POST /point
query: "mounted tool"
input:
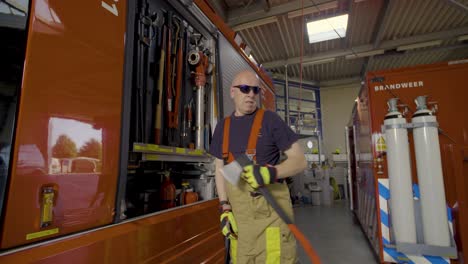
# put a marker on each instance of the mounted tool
(199, 61)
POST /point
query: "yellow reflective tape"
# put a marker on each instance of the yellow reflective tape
(151, 157)
(180, 151)
(196, 152)
(138, 147)
(273, 245)
(151, 147)
(160, 149)
(233, 252)
(42, 233)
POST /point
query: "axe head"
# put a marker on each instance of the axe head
(232, 171)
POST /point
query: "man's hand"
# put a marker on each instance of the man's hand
(228, 224)
(257, 176)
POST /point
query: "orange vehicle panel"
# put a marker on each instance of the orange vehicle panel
(68, 128)
(184, 235)
(443, 84)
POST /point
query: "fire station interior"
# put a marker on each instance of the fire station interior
(373, 88)
(321, 87)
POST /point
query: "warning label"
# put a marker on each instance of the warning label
(378, 140)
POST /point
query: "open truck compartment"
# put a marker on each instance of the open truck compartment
(105, 132)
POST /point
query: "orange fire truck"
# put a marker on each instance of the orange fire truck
(372, 166)
(107, 109)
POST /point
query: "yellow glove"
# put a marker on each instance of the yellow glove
(228, 224)
(257, 176)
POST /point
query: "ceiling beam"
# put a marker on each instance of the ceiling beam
(267, 5)
(292, 79)
(219, 7)
(346, 42)
(256, 11)
(340, 82)
(435, 49)
(316, 57)
(389, 44)
(458, 5)
(12, 21)
(382, 21)
(313, 9)
(256, 23)
(355, 81)
(379, 29)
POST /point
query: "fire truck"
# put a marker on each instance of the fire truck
(107, 110)
(407, 148)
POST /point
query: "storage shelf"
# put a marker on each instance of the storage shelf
(151, 152)
(340, 157)
(314, 157)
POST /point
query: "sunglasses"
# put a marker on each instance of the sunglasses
(247, 88)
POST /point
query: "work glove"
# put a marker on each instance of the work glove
(257, 176)
(228, 224)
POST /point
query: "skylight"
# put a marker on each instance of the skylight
(327, 29)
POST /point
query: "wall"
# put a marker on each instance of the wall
(337, 104)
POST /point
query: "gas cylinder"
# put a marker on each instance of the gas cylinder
(430, 178)
(188, 196)
(399, 174)
(168, 193)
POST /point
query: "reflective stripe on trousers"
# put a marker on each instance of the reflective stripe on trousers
(263, 237)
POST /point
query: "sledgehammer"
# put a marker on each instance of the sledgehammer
(232, 173)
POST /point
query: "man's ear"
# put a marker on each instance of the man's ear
(231, 92)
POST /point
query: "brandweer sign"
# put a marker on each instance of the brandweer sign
(399, 86)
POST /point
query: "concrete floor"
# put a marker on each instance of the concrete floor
(333, 234)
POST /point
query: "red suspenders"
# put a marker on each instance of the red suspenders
(251, 145)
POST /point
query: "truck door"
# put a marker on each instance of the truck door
(70, 107)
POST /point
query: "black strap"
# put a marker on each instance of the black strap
(271, 200)
(257, 175)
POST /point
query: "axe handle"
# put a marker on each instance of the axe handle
(158, 116)
(227, 245)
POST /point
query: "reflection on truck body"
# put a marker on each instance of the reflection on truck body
(80, 165)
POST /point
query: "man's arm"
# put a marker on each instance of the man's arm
(294, 164)
(219, 179)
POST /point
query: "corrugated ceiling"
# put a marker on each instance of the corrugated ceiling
(371, 22)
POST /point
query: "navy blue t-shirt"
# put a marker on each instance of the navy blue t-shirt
(275, 136)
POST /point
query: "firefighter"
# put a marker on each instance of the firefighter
(256, 232)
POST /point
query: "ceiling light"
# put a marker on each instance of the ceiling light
(327, 29)
(314, 62)
(364, 54)
(420, 45)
